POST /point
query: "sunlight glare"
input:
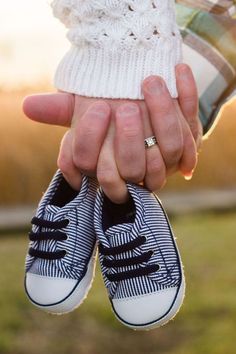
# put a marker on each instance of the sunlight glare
(32, 42)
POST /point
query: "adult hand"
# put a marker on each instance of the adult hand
(175, 124)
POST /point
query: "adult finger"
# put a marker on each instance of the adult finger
(50, 108)
(188, 99)
(189, 158)
(155, 177)
(165, 125)
(107, 173)
(89, 132)
(66, 164)
(129, 143)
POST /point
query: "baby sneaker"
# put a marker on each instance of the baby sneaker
(61, 256)
(139, 259)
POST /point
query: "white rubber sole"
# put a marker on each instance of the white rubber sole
(77, 296)
(162, 321)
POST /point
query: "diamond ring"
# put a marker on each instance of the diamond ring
(149, 142)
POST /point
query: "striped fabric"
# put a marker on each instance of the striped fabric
(81, 238)
(151, 222)
(226, 7)
(210, 50)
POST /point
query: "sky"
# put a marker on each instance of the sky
(32, 42)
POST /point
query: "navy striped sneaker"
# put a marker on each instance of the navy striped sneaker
(61, 257)
(140, 262)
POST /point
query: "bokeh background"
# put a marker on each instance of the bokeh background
(31, 44)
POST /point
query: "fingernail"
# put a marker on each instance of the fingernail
(99, 109)
(128, 109)
(155, 86)
(188, 176)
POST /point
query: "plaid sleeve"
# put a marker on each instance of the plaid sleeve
(220, 7)
(209, 47)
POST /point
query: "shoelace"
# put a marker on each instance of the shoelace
(112, 251)
(48, 235)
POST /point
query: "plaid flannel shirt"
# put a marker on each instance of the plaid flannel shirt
(225, 7)
(208, 28)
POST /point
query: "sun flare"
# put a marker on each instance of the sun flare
(31, 43)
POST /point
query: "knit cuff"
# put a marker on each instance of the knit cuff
(116, 74)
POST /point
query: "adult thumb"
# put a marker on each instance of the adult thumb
(50, 108)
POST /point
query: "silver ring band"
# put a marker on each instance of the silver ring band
(149, 142)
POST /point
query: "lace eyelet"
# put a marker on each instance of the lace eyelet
(66, 238)
(64, 253)
(144, 238)
(68, 221)
(159, 267)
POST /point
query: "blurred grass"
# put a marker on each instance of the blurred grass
(28, 153)
(205, 324)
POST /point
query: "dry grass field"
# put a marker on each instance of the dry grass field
(28, 153)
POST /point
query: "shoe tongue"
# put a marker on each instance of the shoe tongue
(119, 234)
(52, 209)
(118, 229)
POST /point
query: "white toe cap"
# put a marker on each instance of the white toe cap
(149, 308)
(47, 291)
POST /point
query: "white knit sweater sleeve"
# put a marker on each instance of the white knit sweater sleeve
(116, 44)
